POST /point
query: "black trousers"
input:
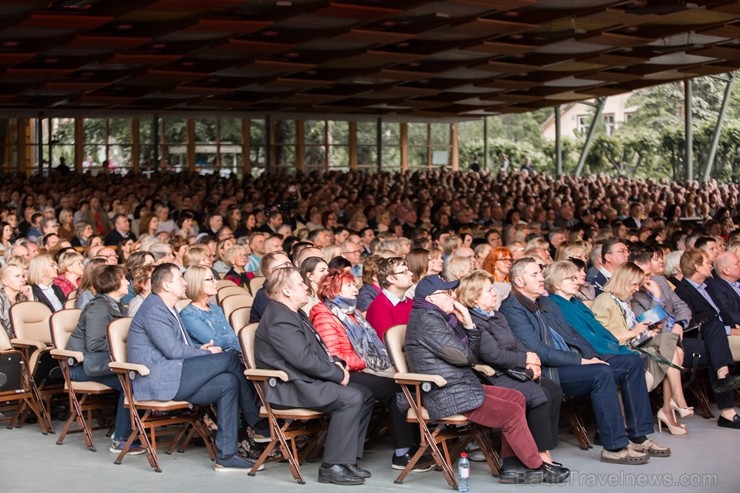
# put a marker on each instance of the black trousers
(714, 352)
(385, 390)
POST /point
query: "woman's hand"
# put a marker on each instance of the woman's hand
(533, 359)
(463, 315)
(27, 292)
(210, 347)
(593, 361)
(536, 370)
(640, 328)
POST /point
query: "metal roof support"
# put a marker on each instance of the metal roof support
(688, 98)
(718, 129)
(485, 143)
(600, 103)
(558, 143)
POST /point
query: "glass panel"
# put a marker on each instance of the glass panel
(417, 134)
(314, 132)
(418, 157)
(367, 155)
(339, 156)
(285, 132)
(285, 156)
(231, 131)
(367, 133)
(205, 130)
(440, 134)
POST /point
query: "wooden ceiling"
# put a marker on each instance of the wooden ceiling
(408, 58)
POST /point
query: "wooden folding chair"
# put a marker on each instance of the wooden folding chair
(574, 411)
(231, 303)
(222, 283)
(445, 442)
(255, 284)
(30, 322)
(230, 291)
(283, 436)
(182, 303)
(16, 384)
(240, 318)
(143, 417)
(84, 397)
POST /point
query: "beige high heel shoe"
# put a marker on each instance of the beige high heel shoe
(684, 412)
(672, 429)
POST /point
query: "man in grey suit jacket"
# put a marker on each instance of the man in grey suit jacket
(286, 340)
(182, 371)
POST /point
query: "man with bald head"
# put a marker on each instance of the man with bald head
(724, 289)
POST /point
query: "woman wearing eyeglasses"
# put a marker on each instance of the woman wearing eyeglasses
(498, 263)
(500, 349)
(206, 322)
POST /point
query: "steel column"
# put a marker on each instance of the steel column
(600, 103)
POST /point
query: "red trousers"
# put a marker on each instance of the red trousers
(505, 409)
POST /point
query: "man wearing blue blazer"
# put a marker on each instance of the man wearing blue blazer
(183, 371)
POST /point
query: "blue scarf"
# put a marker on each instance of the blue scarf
(361, 335)
(583, 321)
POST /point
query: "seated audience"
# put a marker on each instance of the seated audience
(441, 339)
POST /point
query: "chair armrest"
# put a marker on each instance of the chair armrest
(65, 354)
(28, 343)
(258, 374)
(484, 369)
(416, 378)
(127, 367)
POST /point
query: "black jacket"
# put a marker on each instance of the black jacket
(39, 295)
(435, 348)
(726, 299)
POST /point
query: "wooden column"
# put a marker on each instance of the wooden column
(191, 144)
(79, 143)
(300, 145)
(454, 148)
(404, 131)
(352, 145)
(246, 147)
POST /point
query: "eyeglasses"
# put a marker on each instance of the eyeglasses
(402, 272)
(352, 252)
(209, 279)
(621, 251)
(573, 278)
(506, 259)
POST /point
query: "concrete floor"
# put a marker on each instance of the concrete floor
(707, 459)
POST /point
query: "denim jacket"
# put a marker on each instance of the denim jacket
(204, 325)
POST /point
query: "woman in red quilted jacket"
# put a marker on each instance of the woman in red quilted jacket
(348, 335)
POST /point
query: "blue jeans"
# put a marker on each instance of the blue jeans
(599, 382)
(219, 378)
(123, 416)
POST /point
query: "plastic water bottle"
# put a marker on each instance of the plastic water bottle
(463, 474)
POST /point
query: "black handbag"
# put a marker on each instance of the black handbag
(96, 364)
(520, 374)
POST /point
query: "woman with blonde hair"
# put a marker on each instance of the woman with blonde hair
(41, 273)
(221, 265)
(13, 289)
(70, 271)
(458, 267)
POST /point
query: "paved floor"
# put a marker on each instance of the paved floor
(707, 459)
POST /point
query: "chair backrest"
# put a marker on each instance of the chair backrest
(395, 343)
(70, 303)
(222, 283)
(229, 291)
(235, 301)
(5, 341)
(118, 339)
(246, 340)
(240, 318)
(30, 320)
(72, 295)
(63, 323)
(256, 283)
(182, 303)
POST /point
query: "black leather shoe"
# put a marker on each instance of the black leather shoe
(554, 473)
(357, 471)
(338, 474)
(726, 384)
(514, 472)
(729, 423)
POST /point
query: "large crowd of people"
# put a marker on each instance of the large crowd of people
(597, 287)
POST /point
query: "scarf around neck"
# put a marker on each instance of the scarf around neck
(361, 335)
